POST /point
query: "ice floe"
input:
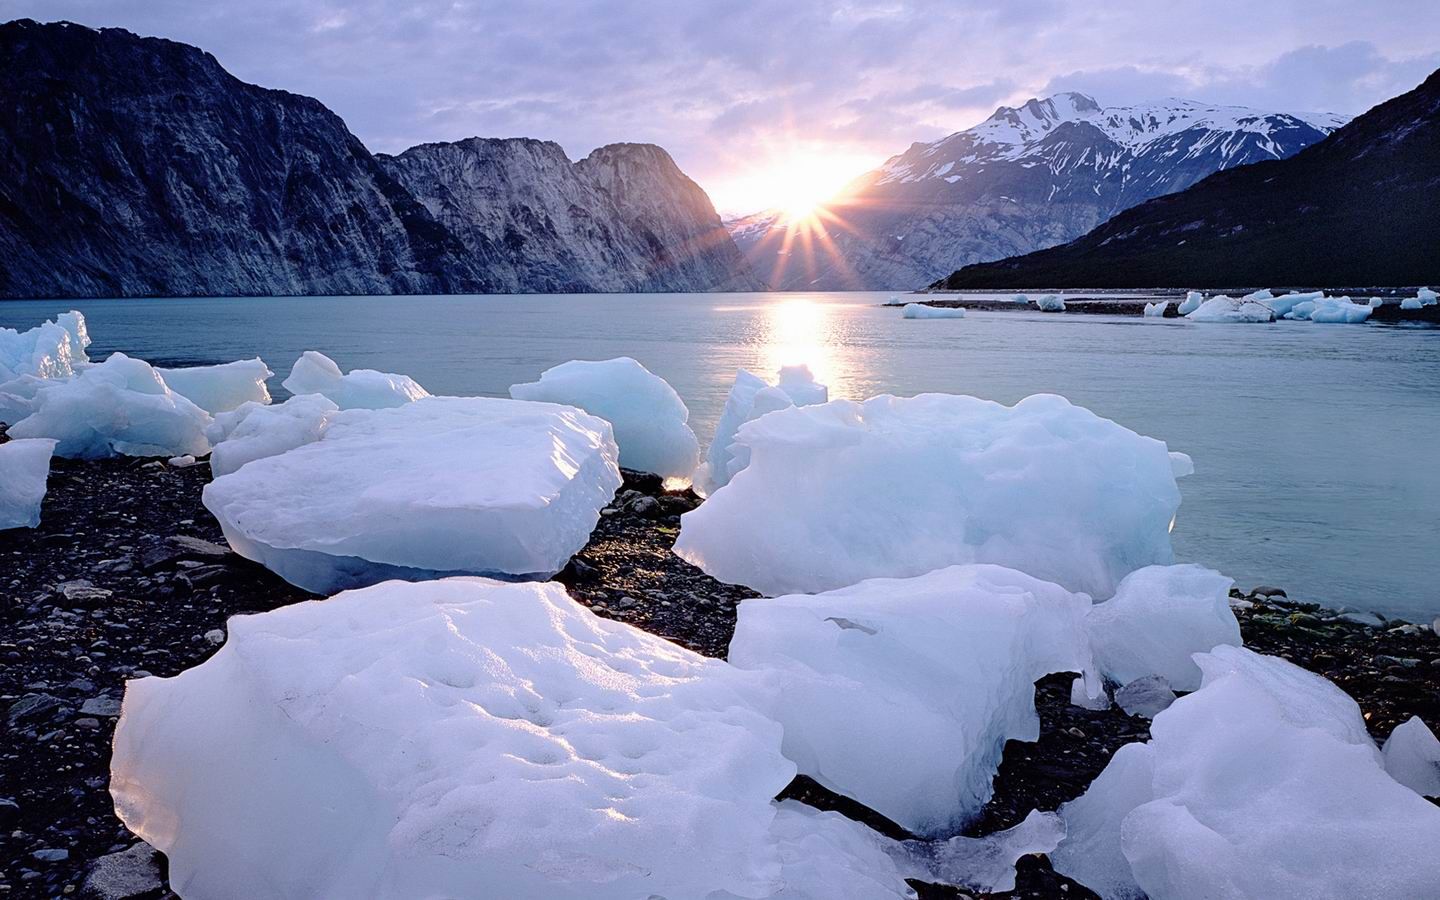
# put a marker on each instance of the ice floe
(218, 389)
(1230, 309)
(316, 373)
(255, 430)
(843, 491)
(1192, 302)
(1330, 311)
(1050, 303)
(1412, 756)
(750, 398)
(648, 416)
(1157, 309)
(922, 311)
(440, 485)
(901, 693)
(24, 470)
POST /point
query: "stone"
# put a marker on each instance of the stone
(107, 707)
(198, 546)
(1145, 697)
(32, 707)
(131, 874)
(50, 854)
(1267, 591)
(9, 812)
(82, 591)
(215, 636)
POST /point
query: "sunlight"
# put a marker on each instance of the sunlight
(799, 332)
(794, 179)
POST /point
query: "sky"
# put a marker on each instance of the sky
(762, 102)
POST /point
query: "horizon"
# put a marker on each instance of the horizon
(773, 106)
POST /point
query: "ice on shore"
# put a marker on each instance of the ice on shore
(1050, 303)
(1158, 618)
(1412, 756)
(825, 856)
(1330, 311)
(891, 487)
(31, 359)
(24, 470)
(1157, 309)
(901, 693)
(649, 418)
(750, 398)
(316, 373)
(1230, 309)
(1411, 303)
(922, 311)
(1263, 783)
(441, 485)
(255, 430)
(984, 864)
(1192, 302)
(118, 407)
(218, 389)
(462, 738)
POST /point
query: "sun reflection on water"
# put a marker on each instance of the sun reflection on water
(801, 332)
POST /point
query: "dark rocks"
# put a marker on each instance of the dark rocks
(32, 708)
(132, 874)
(103, 706)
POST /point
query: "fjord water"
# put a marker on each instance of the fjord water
(1314, 445)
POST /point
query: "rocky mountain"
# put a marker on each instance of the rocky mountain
(1358, 208)
(624, 218)
(135, 166)
(1025, 178)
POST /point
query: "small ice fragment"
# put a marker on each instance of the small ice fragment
(1412, 757)
(1146, 697)
(922, 311)
(1050, 303)
(316, 373)
(984, 864)
(24, 471)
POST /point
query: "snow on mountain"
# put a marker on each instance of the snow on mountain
(1026, 178)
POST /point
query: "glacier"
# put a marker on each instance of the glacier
(316, 373)
(221, 388)
(649, 418)
(750, 398)
(843, 491)
(24, 470)
(901, 693)
(441, 485)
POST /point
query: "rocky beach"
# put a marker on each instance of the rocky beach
(128, 575)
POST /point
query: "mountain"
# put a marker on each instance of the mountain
(1025, 178)
(624, 218)
(135, 166)
(1358, 208)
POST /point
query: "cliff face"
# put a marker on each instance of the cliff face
(136, 166)
(1357, 208)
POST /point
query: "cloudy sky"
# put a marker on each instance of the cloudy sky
(750, 94)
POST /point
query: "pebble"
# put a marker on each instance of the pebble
(127, 875)
(103, 705)
(215, 636)
(51, 855)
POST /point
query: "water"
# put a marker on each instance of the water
(1314, 444)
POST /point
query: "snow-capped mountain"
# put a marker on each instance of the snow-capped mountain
(1025, 178)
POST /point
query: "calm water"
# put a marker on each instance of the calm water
(1314, 444)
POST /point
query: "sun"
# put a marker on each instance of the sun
(795, 180)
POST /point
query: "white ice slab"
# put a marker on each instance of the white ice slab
(218, 389)
(24, 471)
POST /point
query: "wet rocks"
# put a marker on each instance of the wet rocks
(132, 874)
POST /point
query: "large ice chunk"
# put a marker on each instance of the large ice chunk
(1412, 757)
(901, 693)
(1158, 618)
(24, 470)
(1330, 310)
(825, 856)
(925, 311)
(118, 407)
(457, 738)
(29, 360)
(218, 389)
(316, 373)
(648, 416)
(1192, 302)
(1230, 309)
(255, 430)
(750, 398)
(1157, 309)
(844, 491)
(1050, 303)
(1263, 783)
(442, 485)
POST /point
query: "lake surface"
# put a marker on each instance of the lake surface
(1314, 445)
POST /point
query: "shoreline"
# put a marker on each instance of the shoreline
(128, 574)
(1390, 313)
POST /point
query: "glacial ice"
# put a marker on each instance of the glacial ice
(750, 398)
(1411, 303)
(825, 856)
(118, 407)
(649, 418)
(1147, 696)
(1230, 309)
(460, 738)
(901, 693)
(218, 389)
(1263, 783)
(1157, 309)
(1050, 303)
(24, 470)
(844, 491)
(921, 311)
(1412, 757)
(985, 864)
(316, 373)
(1330, 311)
(1425, 295)
(1192, 302)
(255, 430)
(31, 359)
(1282, 305)
(1158, 618)
(440, 485)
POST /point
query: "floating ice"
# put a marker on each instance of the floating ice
(218, 389)
(1330, 311)
(1425, 295)
(901, 693)
(457, 738)
(119, 407)
(254, 430)
(1229, 309)
(1192, 302)
(1157, 309)
(921, 311)
(24, 469)
(1050, 303)
(1158, 618)
(1411, 303)
(441, 485)
(1412, 756)
(984, 864)
(1283, 304)
(316, 373)
(648, 416)
(845, 491)
(1263, 783)
(750, 398)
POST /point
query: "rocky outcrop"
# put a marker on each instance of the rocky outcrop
(1026, 178)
